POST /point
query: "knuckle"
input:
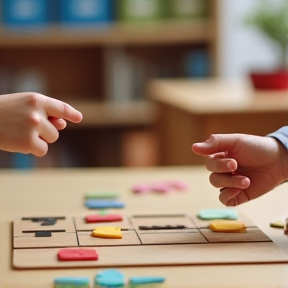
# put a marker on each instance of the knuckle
(34, 119)
(34, 99)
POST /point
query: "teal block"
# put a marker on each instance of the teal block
(72, 282)
(210, 214)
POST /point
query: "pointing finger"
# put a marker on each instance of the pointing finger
(59, 109)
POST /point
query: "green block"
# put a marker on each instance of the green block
(140, 10)
(101, 195)
(187, 9)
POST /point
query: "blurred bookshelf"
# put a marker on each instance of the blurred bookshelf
(102, 68)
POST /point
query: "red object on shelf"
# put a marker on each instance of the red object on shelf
(277, 80)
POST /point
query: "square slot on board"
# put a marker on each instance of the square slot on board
(161, 221)
(129, 238)
(58, 239)
(81, 224)
(23, 226)
(252, 235)
(200, 223)
(187, 236)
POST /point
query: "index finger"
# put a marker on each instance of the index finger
(59, 109)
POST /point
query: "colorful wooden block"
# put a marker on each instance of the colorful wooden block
(72, 282)
(107, 232)
(77, 255)
(210, 214)
(146, 280)
(101, 195)
(227, 226)
(103, 218)
(110, 278)
(103, 204)
(129, 238)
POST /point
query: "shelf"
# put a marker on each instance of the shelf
(114, 114)
(217, 97)
(163, 32)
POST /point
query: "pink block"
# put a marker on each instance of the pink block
(178, 185)
(161, 187)
(141, 188)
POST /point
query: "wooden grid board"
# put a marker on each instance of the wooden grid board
(194, 245)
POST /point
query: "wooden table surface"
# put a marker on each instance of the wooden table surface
(61, 192)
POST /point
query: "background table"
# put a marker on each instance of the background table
(61, 192)
(192, 110)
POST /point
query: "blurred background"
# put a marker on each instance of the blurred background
(150, 76)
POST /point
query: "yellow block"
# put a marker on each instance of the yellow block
(227, 226)
(107, 232)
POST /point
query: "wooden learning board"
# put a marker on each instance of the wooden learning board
(194, 245)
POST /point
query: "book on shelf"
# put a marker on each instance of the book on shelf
(119, 75)
(22, 14)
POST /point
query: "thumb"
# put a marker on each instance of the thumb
(215, 144)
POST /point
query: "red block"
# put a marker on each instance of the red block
(77, 255)
(103, 218)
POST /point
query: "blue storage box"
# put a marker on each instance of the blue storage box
(86, 11)
(25, 12)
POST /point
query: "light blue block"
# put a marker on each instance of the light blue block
(146, 280)
(103, 204)
(226, 213)
(110, 278)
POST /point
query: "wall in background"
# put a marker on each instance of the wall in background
(242, 48)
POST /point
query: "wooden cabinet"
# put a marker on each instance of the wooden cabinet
(74, 64)
(190, 111)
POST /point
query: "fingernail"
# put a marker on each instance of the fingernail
(245, 183)
(230, 166)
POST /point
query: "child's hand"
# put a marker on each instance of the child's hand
(243, 166)
(30, 121)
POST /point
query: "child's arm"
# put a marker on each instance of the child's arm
(30, 121)
(243, 166)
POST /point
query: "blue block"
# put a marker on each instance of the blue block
(86, 11)
(146, 280)
(25, 12)
(69, 282)
(103, 204)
